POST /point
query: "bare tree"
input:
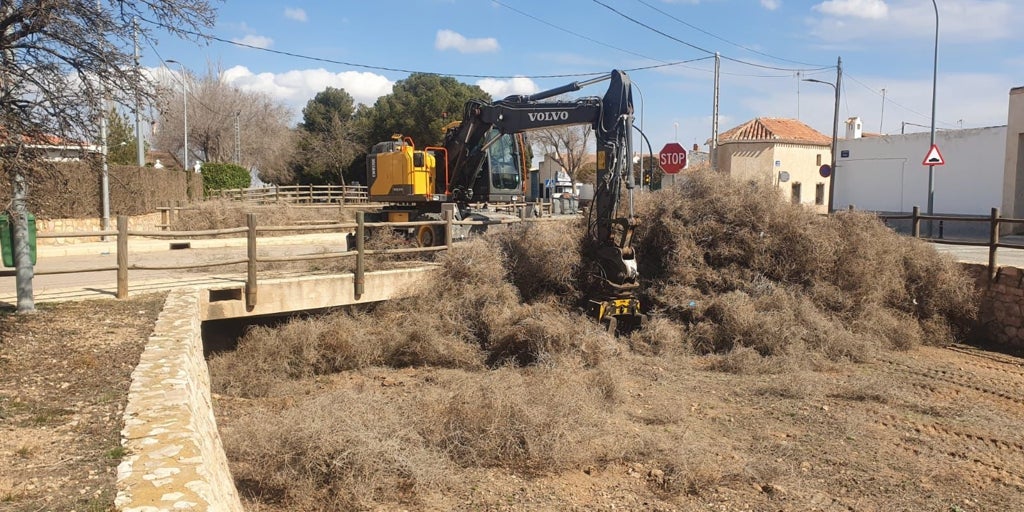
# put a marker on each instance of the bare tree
(59, 61)
(225, 123)
(567, 146)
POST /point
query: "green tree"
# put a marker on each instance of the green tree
(122, 147)
(419, 107)
(326, 144)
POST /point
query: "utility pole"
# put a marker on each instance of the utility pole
(714, 118)
(881, 117)
(140, 149)
(835, 133)
(238, 140)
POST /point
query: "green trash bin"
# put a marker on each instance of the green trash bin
(7, 239)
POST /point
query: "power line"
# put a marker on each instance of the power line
(752, 50)
(705, 50)
(889, 99)
(409, 71)
(562, 29)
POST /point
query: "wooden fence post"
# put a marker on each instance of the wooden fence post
(359, 279)
(449, 217)
(993, 242)
(122, 256)
(250, 279)
(915, 222)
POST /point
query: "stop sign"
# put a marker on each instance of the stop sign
(672, 158)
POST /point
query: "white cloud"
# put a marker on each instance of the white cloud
(866, 9)
(499, 89)
(297, 87)
(254, 40)
(959, 21)
(771, 5)
(295, 14)
(447, 39)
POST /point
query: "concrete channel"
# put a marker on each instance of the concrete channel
(175, 457)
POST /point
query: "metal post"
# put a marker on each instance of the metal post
(993, 243)
(360, 279)
(250, 278)
(104, 174)
(122, 256)
(935, 74)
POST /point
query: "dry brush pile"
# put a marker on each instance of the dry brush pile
(524, 382)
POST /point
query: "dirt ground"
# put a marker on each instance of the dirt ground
(64, 377)
(932, 429)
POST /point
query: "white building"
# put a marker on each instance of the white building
(886, 173)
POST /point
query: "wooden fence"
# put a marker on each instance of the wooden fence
(252, 231)
(993, 243)
(297, 194)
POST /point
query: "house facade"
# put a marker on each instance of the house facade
(784, 152)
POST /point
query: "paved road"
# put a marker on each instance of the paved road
(74, 286)
(155, 253)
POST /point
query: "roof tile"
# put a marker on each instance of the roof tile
(772, 129)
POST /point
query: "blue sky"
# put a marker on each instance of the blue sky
(516, 46)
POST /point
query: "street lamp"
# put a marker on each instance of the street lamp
(835, 130)
(184, 94)
(935, 74)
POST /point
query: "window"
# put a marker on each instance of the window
(819, 160)
(796, 193)
(819, 194)
(502, 162)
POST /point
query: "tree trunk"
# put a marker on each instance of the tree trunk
(21, 251)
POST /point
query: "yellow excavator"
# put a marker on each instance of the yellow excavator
(482, 161)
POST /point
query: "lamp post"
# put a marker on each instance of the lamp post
(935, 74)
(184, 94)
(641, 152)
(835, 130)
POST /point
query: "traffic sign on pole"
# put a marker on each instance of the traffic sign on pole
(933, 157)
(672, 158)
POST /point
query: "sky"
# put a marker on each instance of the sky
(292, 50)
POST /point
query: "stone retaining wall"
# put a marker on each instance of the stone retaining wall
(1002, 304)
(175, 458)
(148, 222)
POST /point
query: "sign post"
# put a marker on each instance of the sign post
(672, 159)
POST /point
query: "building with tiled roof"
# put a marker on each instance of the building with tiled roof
(785, 152)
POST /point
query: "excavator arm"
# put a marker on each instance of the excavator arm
(608, 247)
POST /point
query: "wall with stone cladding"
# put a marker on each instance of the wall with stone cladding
(1002, 304)
(148, 222)
(175, 457)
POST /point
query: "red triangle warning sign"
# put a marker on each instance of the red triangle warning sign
(933, 157)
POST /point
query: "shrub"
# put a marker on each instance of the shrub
(224, 176)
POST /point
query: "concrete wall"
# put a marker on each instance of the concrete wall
(1013, 165)
(885, 173)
